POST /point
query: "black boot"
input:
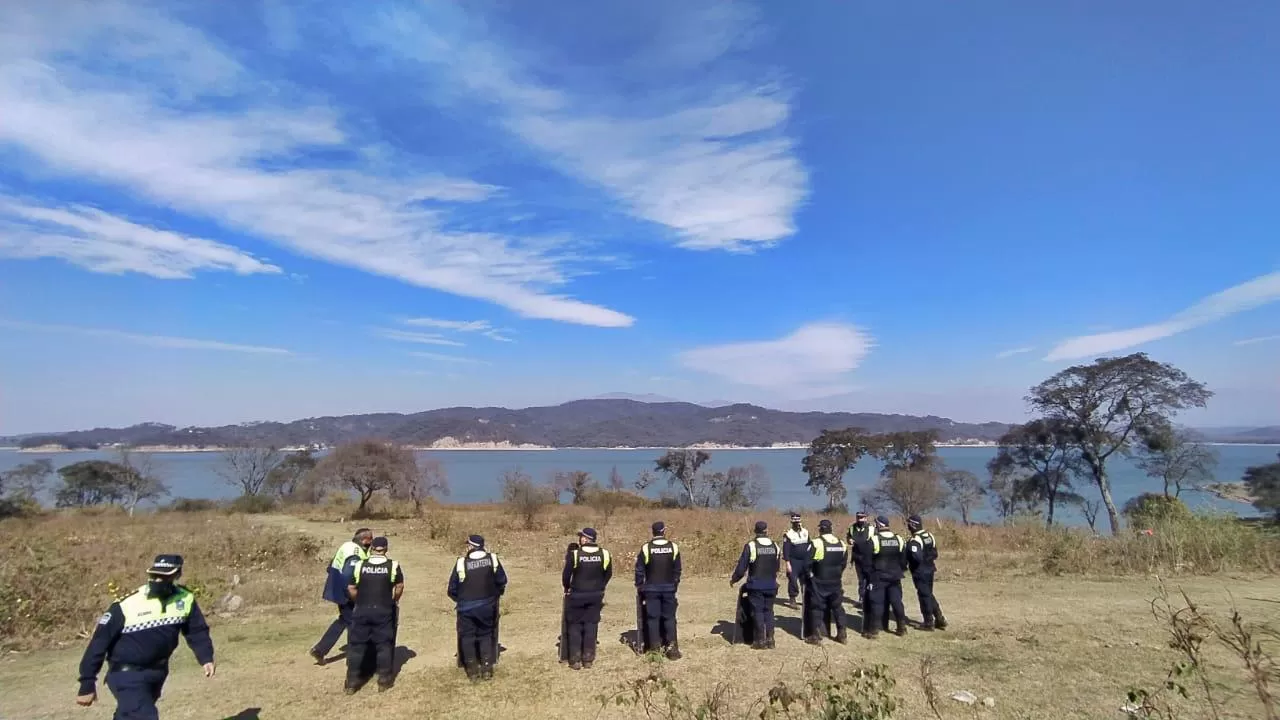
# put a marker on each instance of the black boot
(841, 636)
(486, 672)
(768, 639)
(902, 629)
(927, 625)
(814, 639)
(941, 622)
(673, 652)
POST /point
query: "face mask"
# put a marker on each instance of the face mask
(161, 588)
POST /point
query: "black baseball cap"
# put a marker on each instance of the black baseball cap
(165, 565)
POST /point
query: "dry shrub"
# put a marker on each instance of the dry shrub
(60, 572)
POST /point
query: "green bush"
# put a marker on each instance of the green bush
(1149, 509)
(252, 505)
(189, 505)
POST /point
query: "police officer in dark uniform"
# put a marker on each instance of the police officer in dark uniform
(335, 590)
(859, 537)
(477, 581)
(375, 587)
(587, 571)
(760, 561)
(657, 581)
(922, 556)
(824, 591)
(137, 635)
(795, 553)
(884, 580)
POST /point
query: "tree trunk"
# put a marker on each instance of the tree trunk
(365, 495)
(1053, 497)
(1104, 485)
(964, 514)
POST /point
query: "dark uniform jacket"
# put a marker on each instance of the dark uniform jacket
(795, 546)
(826, 561)
(375, 580)
(142, 631)
(478, 579)
(922, 553)
(587, 570)
(339, 571)
(860, 546)
(658, 566)
(888, 556)
(760, 561)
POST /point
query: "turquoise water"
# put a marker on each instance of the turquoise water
(474, 474)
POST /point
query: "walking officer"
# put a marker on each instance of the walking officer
(335, 590)
(587, 571)
(884, 581)
(824, 593)
(477, 581)
(760, 561)
(795, 552)
(657, 581)
(375, 587)
(859, 537)
(137, 635)
(922, 554)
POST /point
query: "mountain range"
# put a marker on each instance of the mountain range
(617, 420)
(597, 422)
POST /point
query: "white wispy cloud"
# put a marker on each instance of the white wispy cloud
(710, 160)
(814, 360)
(450, 358)
(1256, 340)
(1014, 351)
(118, 95)
(484, 327)
(102, 242)
(415, 337)
(163, 341)
(1245, 296)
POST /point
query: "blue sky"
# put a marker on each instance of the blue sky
(298, 208)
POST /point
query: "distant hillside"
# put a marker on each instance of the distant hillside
(1262, 435)
(581, 423)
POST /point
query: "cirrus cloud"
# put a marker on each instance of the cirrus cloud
(814, 360)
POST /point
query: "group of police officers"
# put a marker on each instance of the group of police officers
(137, 634)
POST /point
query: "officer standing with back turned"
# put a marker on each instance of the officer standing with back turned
(477, 581)
(375, 588)
(884, 581)
(859, 537)
(658, 570)
(824, 592)
(137, 635)
(795, 553)
(759, 562)
(922, 555)
(587, 571)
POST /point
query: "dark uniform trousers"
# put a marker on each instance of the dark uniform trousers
(923, 581)
(660, 617)
(862, 587)
(475, 632)
(761, 602)
(793, 578)
(372, 628)
(136, 692)
(340, 624)
(582, 614)
(885, 595)
(825, 601)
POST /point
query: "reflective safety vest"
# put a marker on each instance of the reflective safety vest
(588, 568)
(860, 533)
(345, 552)
(799, 541)
(928, 548)
(887, 547)
(374, 579)
(764, 558)
(143, 613)
(829, 558)
(660, 561)
(477, 575)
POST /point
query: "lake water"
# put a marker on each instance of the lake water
(474, 474)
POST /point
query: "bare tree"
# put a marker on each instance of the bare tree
(908, 492)
(367, 467)
(247, 467)
(966, 492)
(139, 482)
(681, 467)
(526, 497)
(577, 483)
(1109, 403)
(1173, 456)
(1091, 509)
(741, 487)
(427, 479)
(25, 482)
(287, 480)
(615, 479)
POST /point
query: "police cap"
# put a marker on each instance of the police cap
(659, 528)
(824, 525)
(914, 521)
(761, 527)
(476, 541)
(380, 543)
(882, 521)
(165, 565)
(589, 533)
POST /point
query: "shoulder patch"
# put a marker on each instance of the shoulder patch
(106, 618)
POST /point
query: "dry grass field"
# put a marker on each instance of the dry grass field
(1042, 646)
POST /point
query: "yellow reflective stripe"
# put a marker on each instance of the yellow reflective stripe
(575, 558)
(645, 551)
(875, 544)
(173, 611)
(355, 572)
(462, 568)
(752, 552)
(606, 558)
(819, 551)
(675, 551)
